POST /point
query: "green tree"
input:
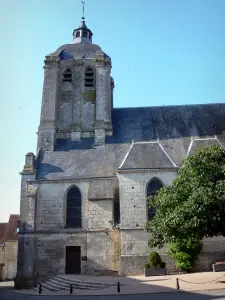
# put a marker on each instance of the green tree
(185, 252)
(194, 206)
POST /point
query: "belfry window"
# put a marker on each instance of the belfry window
(73, 208)
(152, 189)
(67, 76)
(78, 34)
(89, 77)
(84, 34)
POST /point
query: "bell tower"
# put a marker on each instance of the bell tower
(77, 93)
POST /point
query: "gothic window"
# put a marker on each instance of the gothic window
(152, 190)
(84, 34)
(78, 34)
(67, 76)
(73, 208)
(89, 77)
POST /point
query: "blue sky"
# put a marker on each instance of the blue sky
(164, 52)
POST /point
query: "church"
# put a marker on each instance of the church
(83, 194)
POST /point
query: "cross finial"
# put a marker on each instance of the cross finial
(83, 2)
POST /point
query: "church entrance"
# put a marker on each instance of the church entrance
(73, 260)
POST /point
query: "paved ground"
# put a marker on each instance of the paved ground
(207, 295)
(201, 286)
(146, 285)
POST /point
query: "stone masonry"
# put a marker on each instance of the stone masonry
(83, 202)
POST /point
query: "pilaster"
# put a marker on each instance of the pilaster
(77, 103)
(46, 132)
(103, 122)
(26, 242)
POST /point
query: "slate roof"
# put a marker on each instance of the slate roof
(155, 157)
(79, 50)
(168, 122)
(174, 127)
(82, 25)
(200, 143)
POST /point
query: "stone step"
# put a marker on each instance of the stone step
(63, 282)
(50, 287)
(60, 283)
(78, 282)
(82, 284)
(56, 285)
(66, 285)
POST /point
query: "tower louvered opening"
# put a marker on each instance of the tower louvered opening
(89, 77)
(67, 76)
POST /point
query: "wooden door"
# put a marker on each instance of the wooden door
(73, 260)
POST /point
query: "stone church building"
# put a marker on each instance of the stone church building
(83, 195)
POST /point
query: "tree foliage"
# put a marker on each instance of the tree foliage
(185, 252)
(194, 206)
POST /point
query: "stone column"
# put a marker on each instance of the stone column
(46, 133)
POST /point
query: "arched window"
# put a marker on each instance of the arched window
(67, 76)
(89, 77)
(73, 208)
(84, 34)
(78, 34)
(152, 189)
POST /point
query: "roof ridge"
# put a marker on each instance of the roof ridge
(172, 105)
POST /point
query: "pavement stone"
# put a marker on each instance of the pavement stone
(144, 285)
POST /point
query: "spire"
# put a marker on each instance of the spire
(83, 9)
(82, 34)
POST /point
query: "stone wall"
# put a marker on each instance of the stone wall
(76, 103)
(95, 237)
(100, 252)
(100, 214)
(74, 106)
(11, 259)
(132, 189)
(134, 240)
(107, 249)
(97, 246)
(136, 245)
(51, 205)
(213, 250)
(135, 250)
(51, 252)
(133, 217)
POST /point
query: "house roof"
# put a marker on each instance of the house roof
(170, 129)
(11, 228)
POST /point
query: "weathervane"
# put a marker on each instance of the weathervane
(83, 9)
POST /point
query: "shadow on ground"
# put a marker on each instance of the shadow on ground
(132, 286)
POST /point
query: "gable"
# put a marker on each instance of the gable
(147, 156)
